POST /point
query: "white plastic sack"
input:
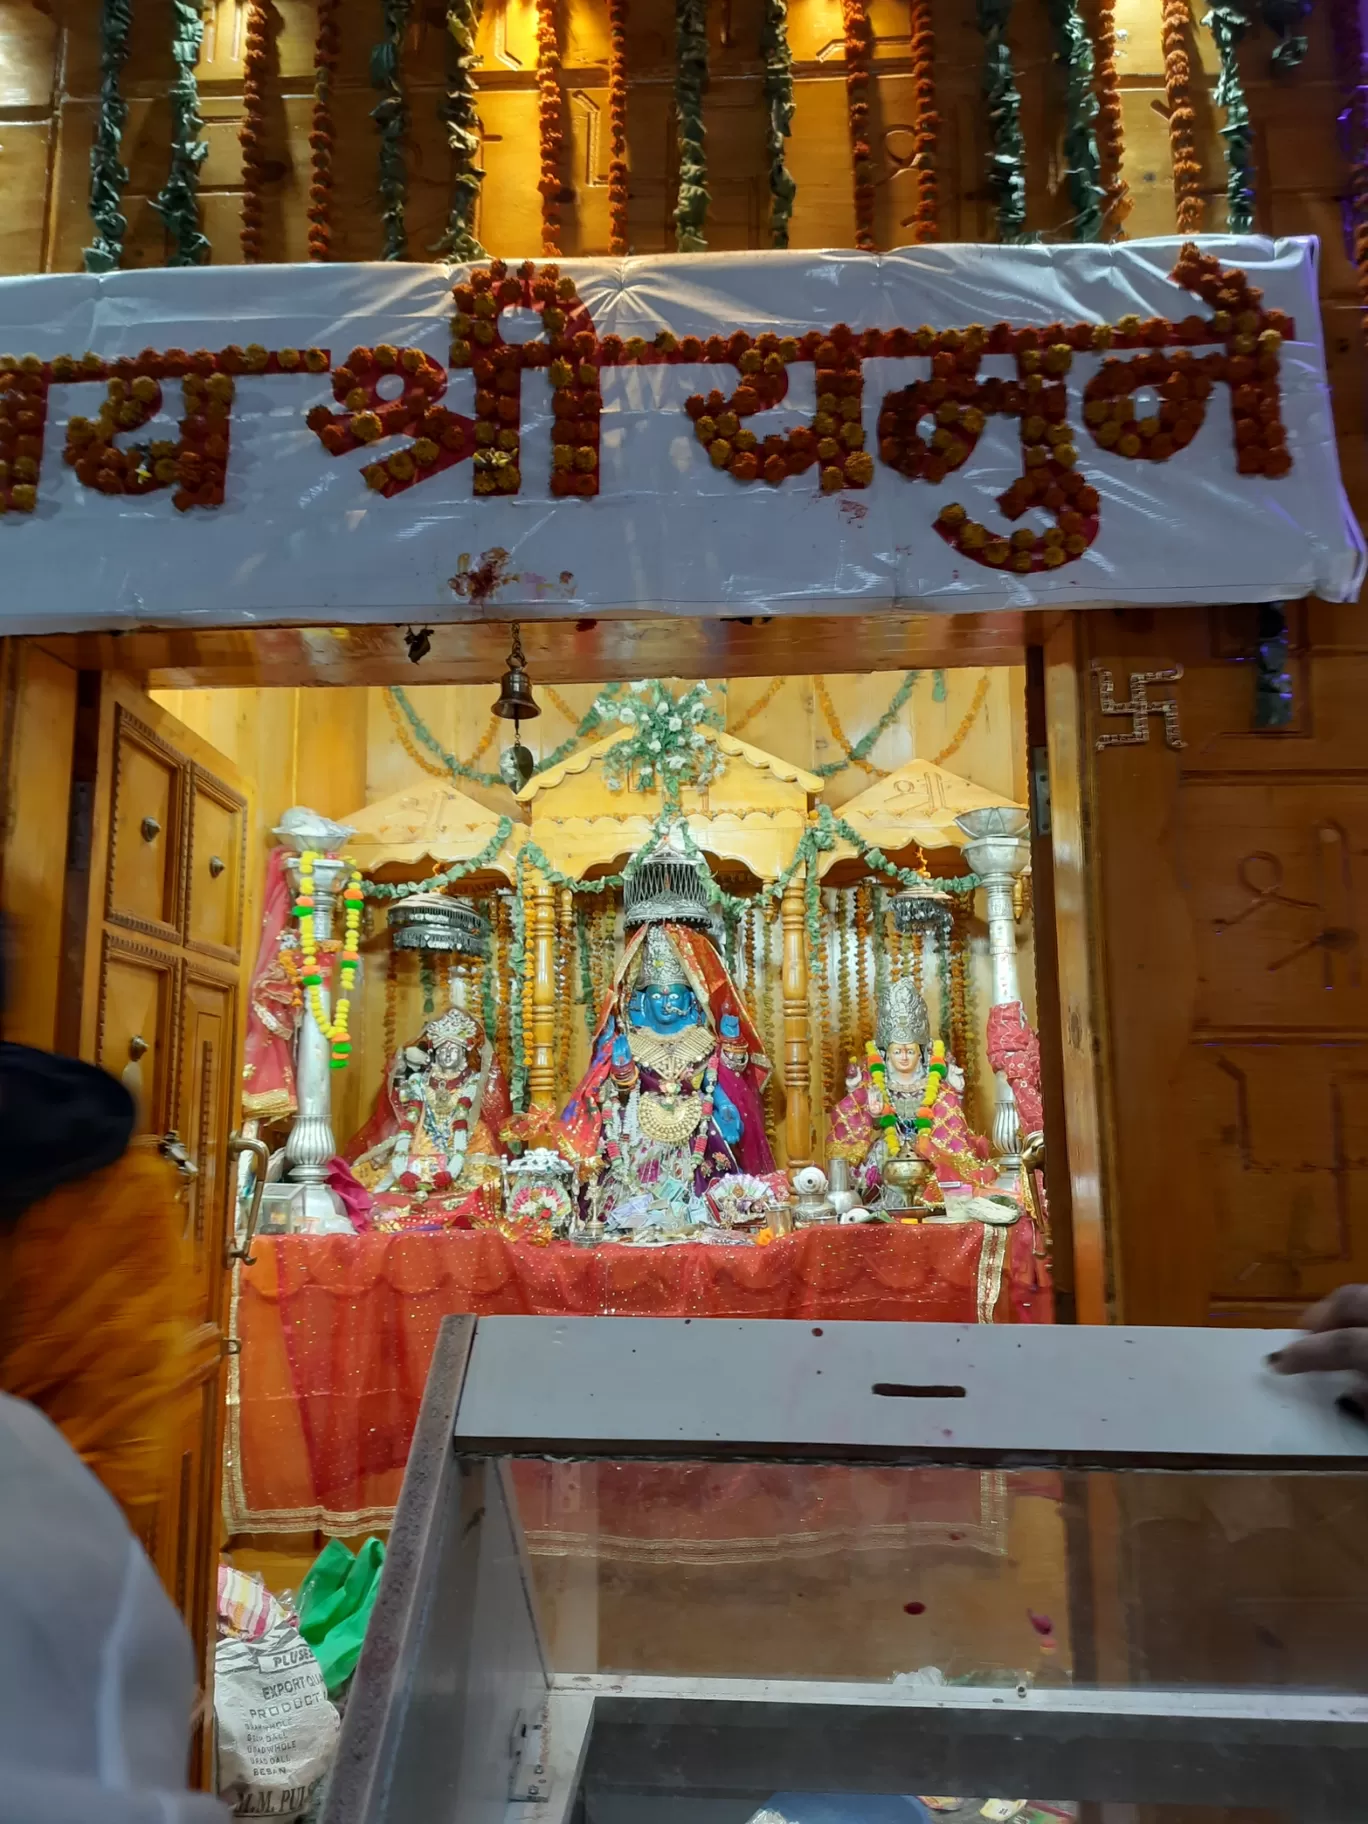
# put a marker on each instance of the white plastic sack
(277, 1731)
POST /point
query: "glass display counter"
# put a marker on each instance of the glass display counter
(655, 1572)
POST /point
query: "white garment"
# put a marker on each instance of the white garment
(97, 1674)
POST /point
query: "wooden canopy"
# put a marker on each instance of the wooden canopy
(916, 803)
(754, 812)
(432, 823)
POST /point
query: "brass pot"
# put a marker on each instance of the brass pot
(904, 1175)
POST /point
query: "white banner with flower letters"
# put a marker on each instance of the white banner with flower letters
(943, 428)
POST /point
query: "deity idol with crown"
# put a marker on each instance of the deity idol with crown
(433, 1138)
(671, 1101)
(902, 1098)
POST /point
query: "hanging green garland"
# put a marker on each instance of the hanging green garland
(589, 724)
(517, 974)
(108, 175)
(691, 85)
(460, 111)
(778, 93)
(586, 993)
(859, 751)
(391, 116)
(1228, 25)
(1007, 160)
(1082, 160)
(178, 203)
(405, 889)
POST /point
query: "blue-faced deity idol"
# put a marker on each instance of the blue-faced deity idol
(663, 1000)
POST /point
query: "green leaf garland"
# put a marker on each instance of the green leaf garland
(864, 747)
(460, 111)
(391, 116)
(108, 175)
(691, 85)
(178, 202)
(1006, 161)
(778, 94)
(1083, 162)
(1228, 25)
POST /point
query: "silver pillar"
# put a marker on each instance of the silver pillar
(303, 1198)
(999, 851)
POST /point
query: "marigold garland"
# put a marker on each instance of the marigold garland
(859, 45)
(1110, 121)
(1346, 25)
(391, 116)
(967, 721)
(550, 124)
(335, 1029)
(1006, 161)
(1228, 25)
(415, 753)
(441, 438)
(321, 131)
(178, 203)
(829, 716)
(460, 111)
(255, 54)
(778, 97)
(1187, 167)
(925, 125)
(617, 126)
(1082, 161)
(108, 174)
(760, 705)
(691, 85)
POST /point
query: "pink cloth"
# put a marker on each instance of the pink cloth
(273, 1007)
(356, 1199)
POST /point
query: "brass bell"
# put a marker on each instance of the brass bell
(515, 700)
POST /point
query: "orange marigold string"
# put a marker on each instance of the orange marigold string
(617, 126)
(1187, 168)
(549, 123)
(254, 57)
(1110, 128)
(321, 132)
(925, 124)
(858, 45)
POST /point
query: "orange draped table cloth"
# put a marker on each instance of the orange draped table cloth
(337, 1332)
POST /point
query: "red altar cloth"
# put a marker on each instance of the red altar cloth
(337, 1331)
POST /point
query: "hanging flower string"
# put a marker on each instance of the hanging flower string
(550, 130)
(617, 126)
(925, 125)
(252, 130)
(334, 1029)
(859, 44)
(391, 116)
(321, 132)
(691, 85)
(971, 716)
(108, 175)
(1346, 25)
(1082, 161)
(1110, 120)
(178, 202)
(1006, 161)
(1228, 25)
(858, 755)
(460, 111)
(1187, 168)
(1284, 18)
(778, 94)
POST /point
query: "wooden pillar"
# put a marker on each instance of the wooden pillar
(797, 1037)
(541, 940)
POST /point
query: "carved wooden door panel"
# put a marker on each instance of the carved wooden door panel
(1230, 880)
(163, 930)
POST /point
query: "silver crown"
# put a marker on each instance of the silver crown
(454, 1027)
(660, 966)
(903, 1019)
(670, 889)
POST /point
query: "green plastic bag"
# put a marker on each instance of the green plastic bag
(335, 1601)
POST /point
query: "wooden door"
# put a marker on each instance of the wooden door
(1229, 883)
(157, 894)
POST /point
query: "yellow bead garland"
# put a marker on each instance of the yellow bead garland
(334, 1030)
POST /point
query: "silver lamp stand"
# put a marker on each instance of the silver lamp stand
(999, 852)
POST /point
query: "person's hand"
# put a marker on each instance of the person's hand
(1338, 1336)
